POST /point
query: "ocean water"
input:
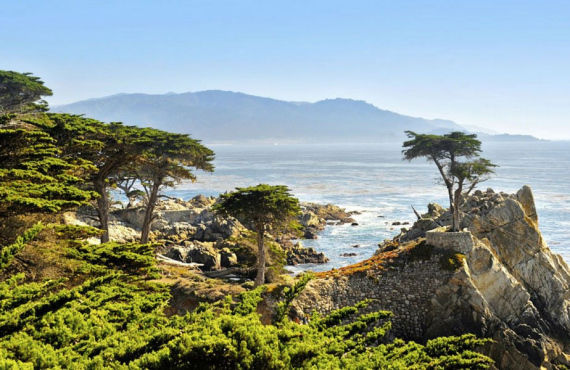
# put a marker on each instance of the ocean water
(374, 180)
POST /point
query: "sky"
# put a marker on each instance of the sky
(502, 65)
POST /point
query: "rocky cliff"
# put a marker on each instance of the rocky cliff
(497, 278)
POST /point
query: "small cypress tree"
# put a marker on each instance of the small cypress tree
(262, 207)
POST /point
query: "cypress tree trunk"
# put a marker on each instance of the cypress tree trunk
(456, 204)
(149, 212)
(102, 207)
(452, 210)
(260, 278)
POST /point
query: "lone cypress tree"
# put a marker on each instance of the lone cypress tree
(456, 156)
(261, 208)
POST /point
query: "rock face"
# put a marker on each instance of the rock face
(203, 253)
(298, 254)
(497, 279)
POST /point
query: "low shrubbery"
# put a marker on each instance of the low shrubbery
(116, 319)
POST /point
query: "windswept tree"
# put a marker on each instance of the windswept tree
(456, 156)
(168, 159)
(21, 93)
(108, 147)
(261, 208)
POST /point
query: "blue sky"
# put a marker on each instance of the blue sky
(503, 65)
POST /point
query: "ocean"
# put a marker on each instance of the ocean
(374, 180)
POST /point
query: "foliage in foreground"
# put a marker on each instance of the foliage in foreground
(116, 319)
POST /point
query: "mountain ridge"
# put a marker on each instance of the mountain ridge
(229, 116)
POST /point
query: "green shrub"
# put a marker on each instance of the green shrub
(451, 261)
(7, 253)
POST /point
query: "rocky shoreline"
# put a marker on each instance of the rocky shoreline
(191, 233)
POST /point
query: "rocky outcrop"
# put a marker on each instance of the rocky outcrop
(315, 217)
(298, 254)
(178, 219)
(193, 233)
(203, 253)
(497, 279)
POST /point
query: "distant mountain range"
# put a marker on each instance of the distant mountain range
(224, 116)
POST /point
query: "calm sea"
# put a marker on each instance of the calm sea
(374, 180)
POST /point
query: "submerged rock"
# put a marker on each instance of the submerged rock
(349, 254)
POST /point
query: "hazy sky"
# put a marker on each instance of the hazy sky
(502, 65)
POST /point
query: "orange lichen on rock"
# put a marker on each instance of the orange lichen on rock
(397, 253)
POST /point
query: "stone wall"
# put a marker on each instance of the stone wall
(461, 241)
(406, 290)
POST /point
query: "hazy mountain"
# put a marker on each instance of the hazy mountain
(229, 116)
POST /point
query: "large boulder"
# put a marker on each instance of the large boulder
(178, 253)
(513, 236)
(298, 254)
(317, 215)
(308, 219)
(205, 254)
(202, 253)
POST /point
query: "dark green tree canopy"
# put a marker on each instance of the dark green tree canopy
(442, 149)
(105, 145)
(260, 208)
(34, 177)
(261, 205)
(153, 157)
(456, 156)
(107, 148)
(21, 92)
(168, 159)
(473, 172)
(173, 156)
